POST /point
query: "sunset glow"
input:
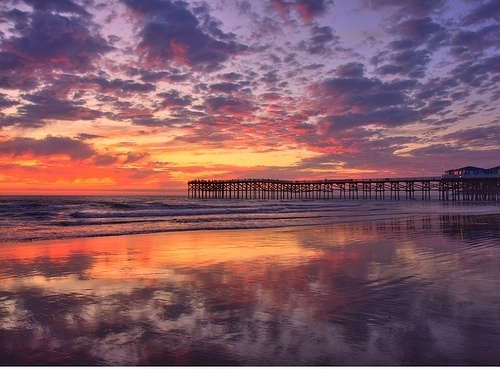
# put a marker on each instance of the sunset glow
(141, 96)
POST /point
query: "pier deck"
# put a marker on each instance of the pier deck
(455, 189)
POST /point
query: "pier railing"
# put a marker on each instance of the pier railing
(472, 189)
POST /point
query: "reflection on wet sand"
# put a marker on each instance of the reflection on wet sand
(411, 291)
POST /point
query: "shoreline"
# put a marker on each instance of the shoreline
(327, 222)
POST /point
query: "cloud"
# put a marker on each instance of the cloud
(228, 106)
(87, 136)
(478, 74)
(5, 102)
(51, 42)
(134, 157)
(18, 17)
(417, 32)
(359, 94)
(173, 99)
(171, 33)
(119, 86)
(231, 76)
(307, 9)
(48, 146)
(171, 76)
(351, 70)
(470, 45)
(267, 75)
(488, 136)
(403, 8)
(105, 160)
(225, 87)
(483, 12)
(60, 6)
(410, 63)
(141, 174)
(44, 106)
(319, 41)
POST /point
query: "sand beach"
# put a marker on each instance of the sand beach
(418, 290)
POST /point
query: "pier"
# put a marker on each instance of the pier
(446, 189)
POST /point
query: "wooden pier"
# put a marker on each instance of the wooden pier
(454, 189)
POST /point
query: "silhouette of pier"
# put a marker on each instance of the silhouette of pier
(454, 189)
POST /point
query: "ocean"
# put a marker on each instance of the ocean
(143, 280)
(31, 218)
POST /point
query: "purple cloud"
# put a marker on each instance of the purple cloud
(307, 9)
(483, 12)
(171, 33)
(52, 42)
(50, 145)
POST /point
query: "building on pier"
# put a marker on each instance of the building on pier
(472, 172)
(493, 172)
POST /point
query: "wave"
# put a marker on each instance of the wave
(25, 218)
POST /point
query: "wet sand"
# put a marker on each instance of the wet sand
(417, 290)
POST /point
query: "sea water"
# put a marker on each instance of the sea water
(30, 218)
(269, 283)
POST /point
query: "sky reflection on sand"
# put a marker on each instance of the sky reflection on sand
(414, 291)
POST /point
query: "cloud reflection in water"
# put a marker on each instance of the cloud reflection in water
(410, 291)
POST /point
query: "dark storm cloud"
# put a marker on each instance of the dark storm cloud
(51, 42)
(48, 146)
(171, 33)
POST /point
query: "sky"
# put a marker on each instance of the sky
(135, 96)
